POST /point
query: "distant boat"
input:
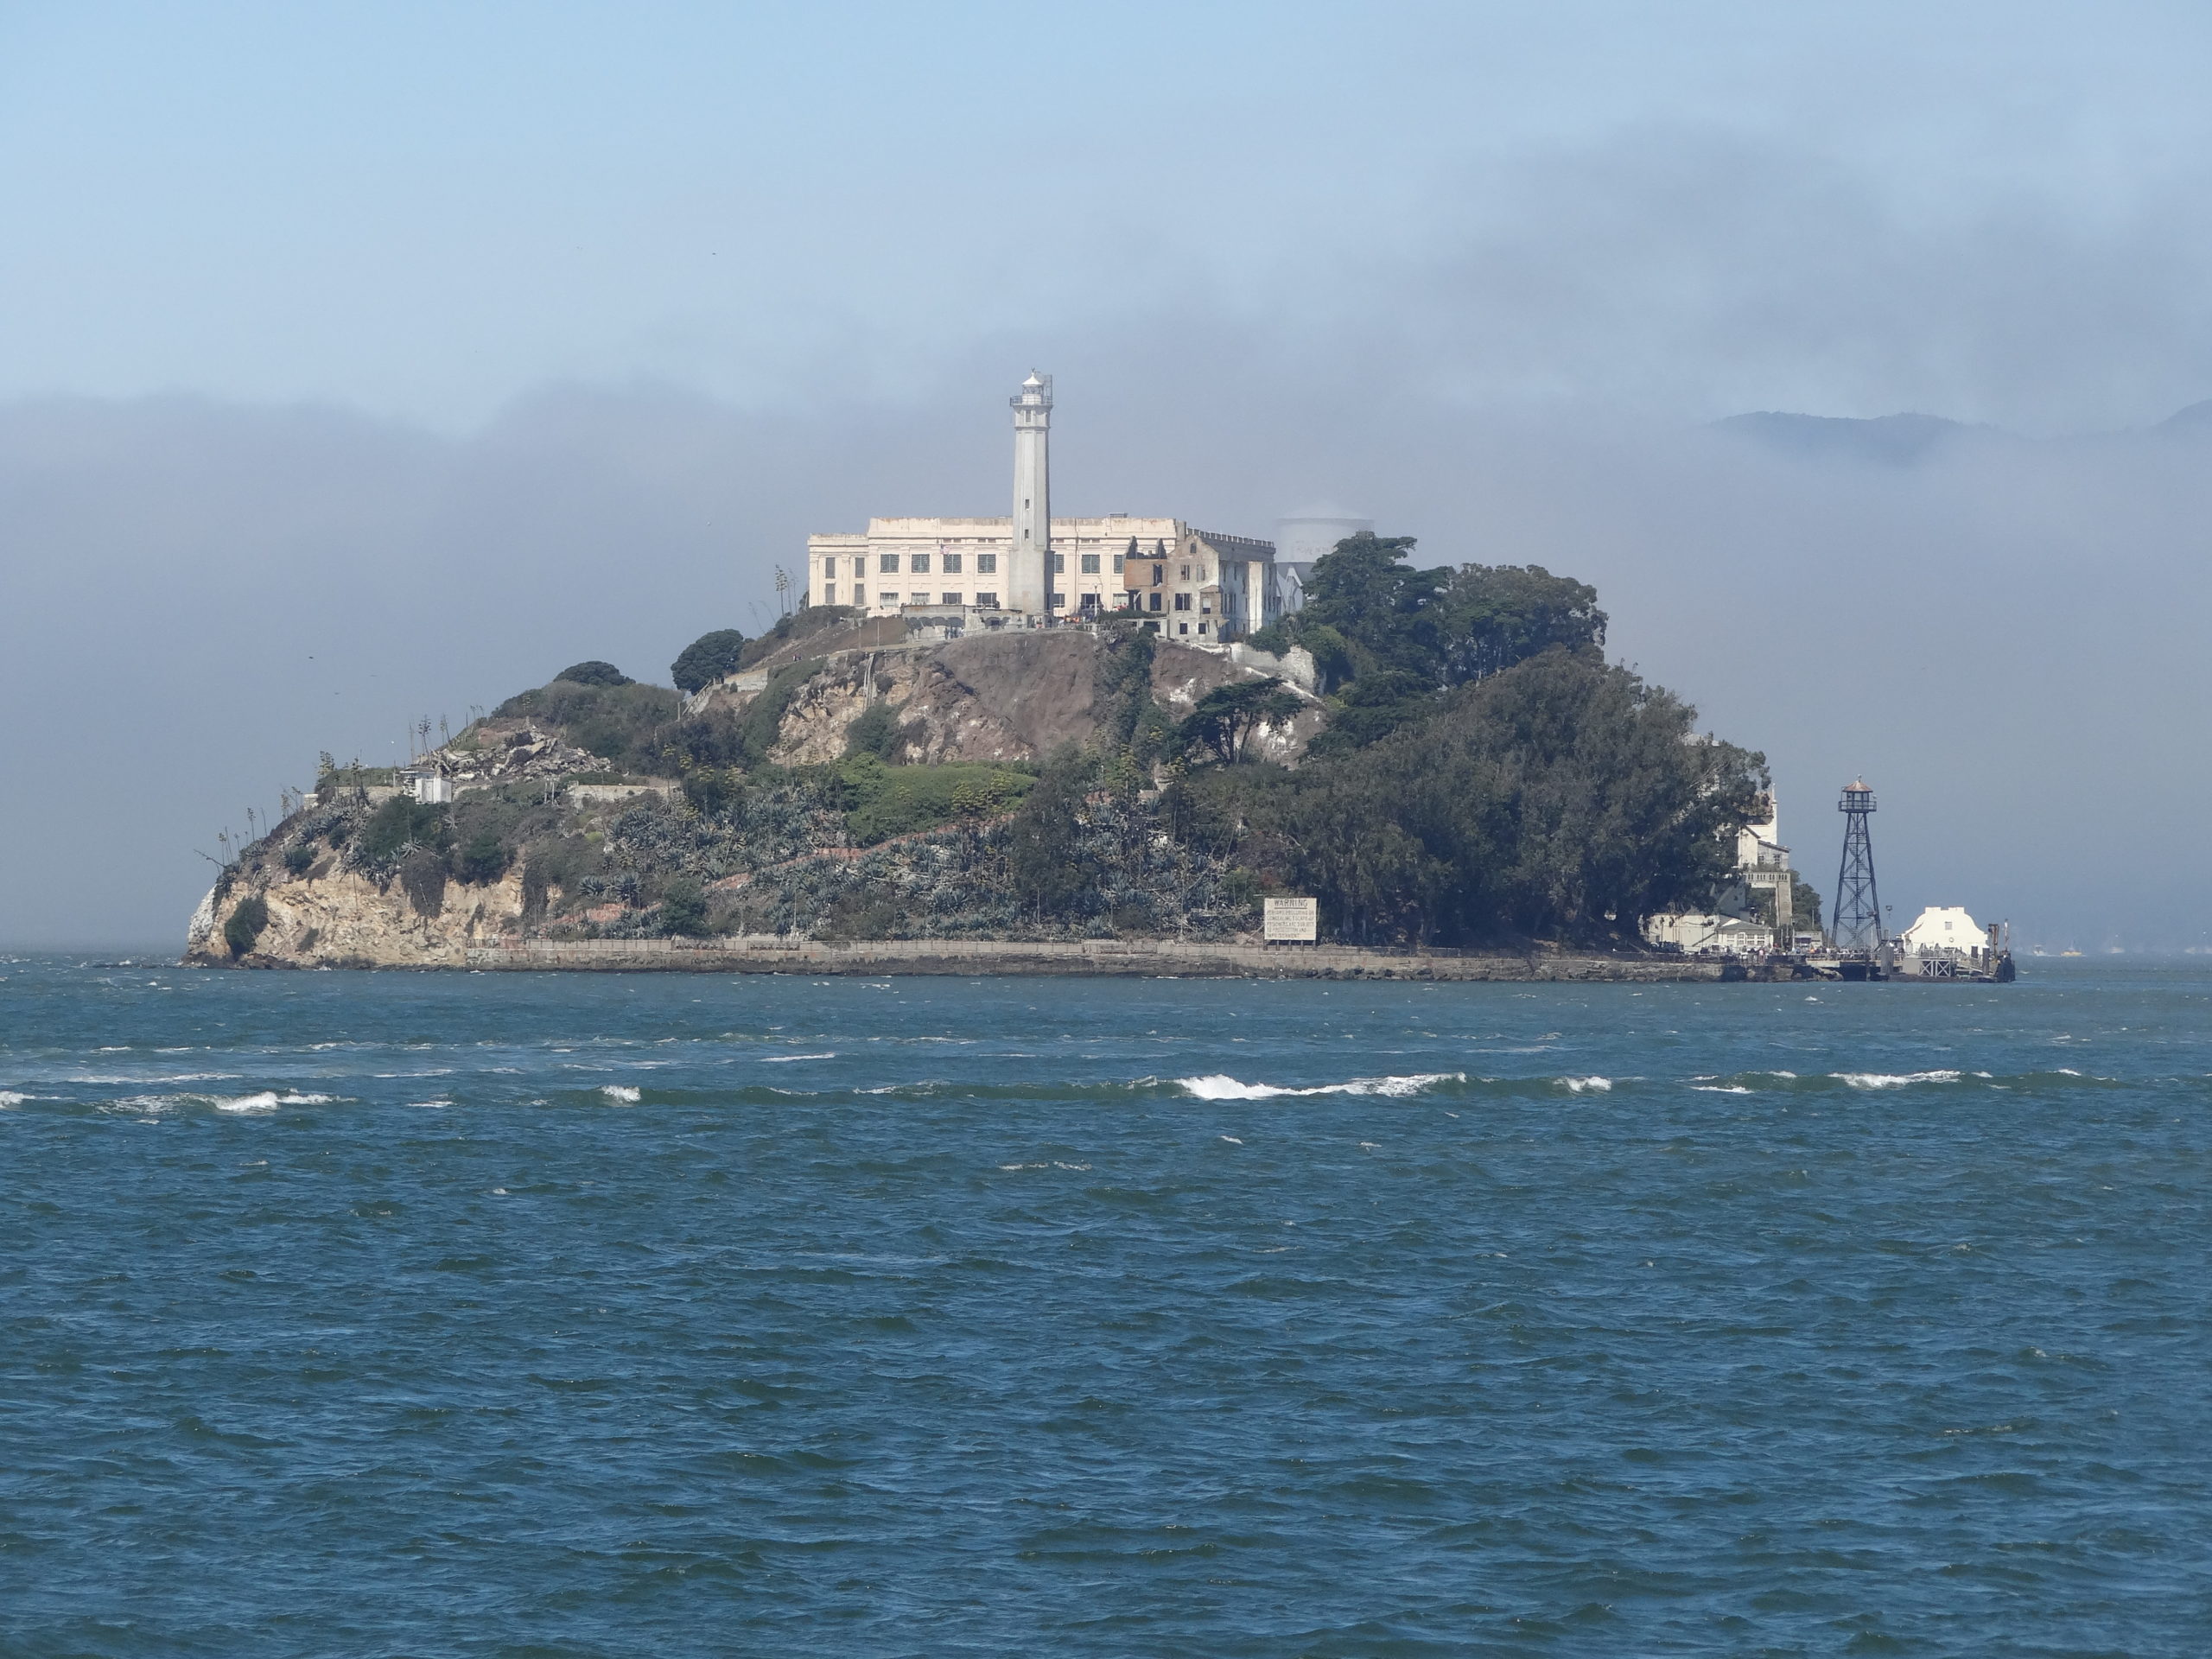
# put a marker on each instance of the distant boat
(2070, 953)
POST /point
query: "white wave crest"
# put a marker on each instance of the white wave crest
(1221, 1086)
(786, 1059)
(9, 1097)
(1893, 1079)
(1719, 1089)
(1576, 1085)
(622, 1093)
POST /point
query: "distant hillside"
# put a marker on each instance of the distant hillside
(1894, 439)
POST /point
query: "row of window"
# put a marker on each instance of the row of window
(986, 564)
(990, 602)
(982, 601)
(886, 564)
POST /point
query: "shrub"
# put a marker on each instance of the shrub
(709, 657)
(299, 856)
(683, 908)
(422, 879)
(594, 673)
(882, 801)
(398, 825)
(763, 719)
(874, 731)
(243, 929)
(714, 791)
(484, 859)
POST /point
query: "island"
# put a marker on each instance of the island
(1442, 759)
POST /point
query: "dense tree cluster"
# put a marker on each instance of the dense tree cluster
(1486, 776)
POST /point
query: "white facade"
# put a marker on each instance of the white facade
(1945, 930)
(1698, 935)
(1030, 568)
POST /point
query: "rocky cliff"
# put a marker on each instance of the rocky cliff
(579, 812)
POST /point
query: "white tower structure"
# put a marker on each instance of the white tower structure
(1029, 553)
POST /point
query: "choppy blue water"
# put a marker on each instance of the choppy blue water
(383, 1314)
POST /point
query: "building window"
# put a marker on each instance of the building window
(1053, 602)
(1155, 601)
(1202, 627)
(887, 564)
(1182, 627)
(1089, 563)
(1182, 602)
(919, 598)
(952, 564)
(920, 564)
(1159, 576)
(828, 593)
(1089, 606)
(1186, 573)
(949, 598)
(1059, 564)
(987, 601)
(886, 599)
(1117, 564)
(986, 564)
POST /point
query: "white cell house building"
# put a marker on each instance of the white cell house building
(1031, 569)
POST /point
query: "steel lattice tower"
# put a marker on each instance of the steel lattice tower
(1858, 912)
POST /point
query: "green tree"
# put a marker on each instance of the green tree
(683, 908)
(1046, 861)
(594, 673)
(1381, 606)
(1489, 617)
(1563, 798)
(484, 859)
(1226, 717)
(709, 657)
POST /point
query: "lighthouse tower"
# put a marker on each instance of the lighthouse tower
(1029, 554)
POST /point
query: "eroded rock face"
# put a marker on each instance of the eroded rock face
(343, 918)
(1181, 677)
(994, 697)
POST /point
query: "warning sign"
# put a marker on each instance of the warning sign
(1290, 920)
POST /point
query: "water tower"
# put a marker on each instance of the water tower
(1857, 912)
(1303, 537)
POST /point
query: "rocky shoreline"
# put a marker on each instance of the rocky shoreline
(1153, 958)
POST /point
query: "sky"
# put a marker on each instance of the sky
(364, 363)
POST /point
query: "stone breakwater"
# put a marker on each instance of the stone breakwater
(771, 954)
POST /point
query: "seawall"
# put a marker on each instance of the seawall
(773, 954)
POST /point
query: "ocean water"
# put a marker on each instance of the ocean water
(408, 1314)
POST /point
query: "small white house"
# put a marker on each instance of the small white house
(1704, 935)
(1944, 929)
